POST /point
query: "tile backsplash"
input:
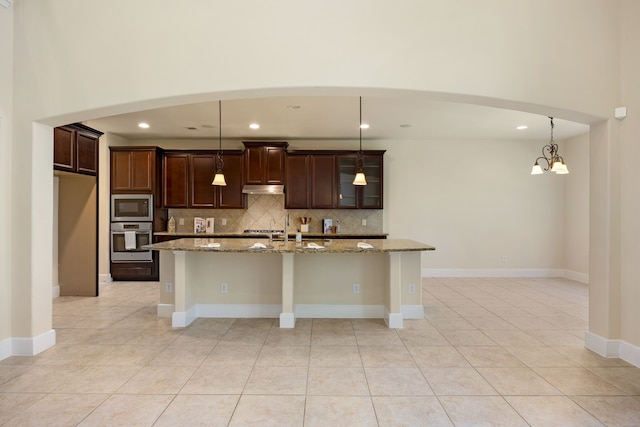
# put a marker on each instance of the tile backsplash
(267, 211)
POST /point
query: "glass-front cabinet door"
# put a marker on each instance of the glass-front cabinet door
(372, 192)
(346, 190)
(363, 197)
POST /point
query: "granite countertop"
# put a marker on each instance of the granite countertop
(265, 235)
(327, 246)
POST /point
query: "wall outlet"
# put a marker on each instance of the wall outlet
(412, 288)
(503, 259)
(224, 221)
(168, 287)
(224, 288)
(356, 288)
(364, 222)
(180, 221)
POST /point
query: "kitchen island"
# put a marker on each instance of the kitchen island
(230, 277)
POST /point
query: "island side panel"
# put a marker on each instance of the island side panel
(393, 312)
(287, 316)
(411, 286)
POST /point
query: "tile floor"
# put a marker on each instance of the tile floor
(499, 352)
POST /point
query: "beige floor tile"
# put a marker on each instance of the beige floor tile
(625, 378)
(98, 379)
(267, 411)
(450, 323)
(387, 337)
(11, 404)
(421, 337)
(612, 410)
(467, 337)
(557, 337)
(551, 411)
(437, 356)
(512, 338)
(9, 372)
(182, 356)
(588, 358)
(410, 411)
(335, 357)
(199, 411)
(127, 410)
(368, 324)
(541, 357)
(337, 338)
(397, 382)
(331, 326)
(39, 379)
(284, 355)
(481, 411)
(277, 380)
(244, 337)
(158, 380)
(491, 356)
(517, 382)
(337, 382)
(217, 380)
(47, 411)
(130, 355)
(492, 322)
(386, 357)
(233, 355)
(457, 382)
(578, 381)
(197, 337)
(323, 411)
(294, 336)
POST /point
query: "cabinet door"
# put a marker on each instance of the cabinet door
(296, 184)
(143, 165)
(254, 164)
(230, 196)
(175, 179)
(202, 170)
(120, 171)
(323, 177)
(63, 149)
(86, 153)
(274, 168)
(347, 197)
(371, 194)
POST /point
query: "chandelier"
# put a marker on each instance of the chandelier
(218, 179)
(550, 156)
(360, 179)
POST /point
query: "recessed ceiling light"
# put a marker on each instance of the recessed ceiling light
(293, 107)
(522, 127)
(364, 126)
(208, 126)
(406, 125)
(143, 125)
(191, 128)
(254, 126)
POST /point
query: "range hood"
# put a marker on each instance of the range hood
(263, 189)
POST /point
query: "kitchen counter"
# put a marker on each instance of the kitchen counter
(228, 277)
(305, 236)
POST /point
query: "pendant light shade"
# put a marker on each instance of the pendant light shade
(218, 179)
(360, 179)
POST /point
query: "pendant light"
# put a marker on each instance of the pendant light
(218, 179)
(360, 179)
(553, 161)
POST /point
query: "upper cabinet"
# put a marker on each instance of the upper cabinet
(75, 149)
(134, 170)
(264, 162)
(356, 196)
(187, 180)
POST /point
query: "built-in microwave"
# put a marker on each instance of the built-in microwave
(131, 208)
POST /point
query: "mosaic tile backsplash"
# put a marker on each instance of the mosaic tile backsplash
(267, 212)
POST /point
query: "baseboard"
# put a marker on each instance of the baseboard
(5, 348)
(105, 278)
(578, 277)
(239, 310)
(165, 310)
(492, 272)
(33, 346)
(328, 311)
(55, 292)
(613, 348)
(181, 319)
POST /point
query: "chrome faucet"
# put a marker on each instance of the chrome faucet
(286, 228)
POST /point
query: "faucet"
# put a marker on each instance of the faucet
(286, 228)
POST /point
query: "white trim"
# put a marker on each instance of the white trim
(165, 310)
(287, 320)
(55, 292)
(5, 3)
(5, 348)
(412, 311)
(339, 311)
(394, 320)
(105, 278)
(180, 319)
(612, 348)
(33, 346)
(493, 272)
(238, 310)
(578, 277)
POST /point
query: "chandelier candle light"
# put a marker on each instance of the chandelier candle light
(360, 179)
(554, 161)
(218, 179)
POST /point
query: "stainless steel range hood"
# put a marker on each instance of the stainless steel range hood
(263, 189)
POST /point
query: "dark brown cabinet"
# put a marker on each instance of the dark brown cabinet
(134, 170)
(360, 197)
(323, 181)
(75, 149)
(264, 162)
(296, 183)
(187, 180)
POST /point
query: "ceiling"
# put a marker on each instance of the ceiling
(336, 117)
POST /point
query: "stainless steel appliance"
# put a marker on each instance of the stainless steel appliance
(128, 239)
(131, 208)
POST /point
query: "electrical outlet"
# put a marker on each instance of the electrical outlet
(168, 287)
(224, 221)
(356, 288)
(503, 258)
(224, 288)
(181, 221)
(364, 222)
(412, 288)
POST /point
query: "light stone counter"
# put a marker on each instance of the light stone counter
(227, 277)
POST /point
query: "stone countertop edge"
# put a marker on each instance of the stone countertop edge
(265, 235)
(332, 246)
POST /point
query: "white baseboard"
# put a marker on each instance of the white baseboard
(492, 272)
(33, 346)
(287, 320)
(55, 292)
(613, 348)
(180, 319)
(578, 277)
(337, 311)
(239, 310)
(165, 310)
(105, 278)
(5, 348)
